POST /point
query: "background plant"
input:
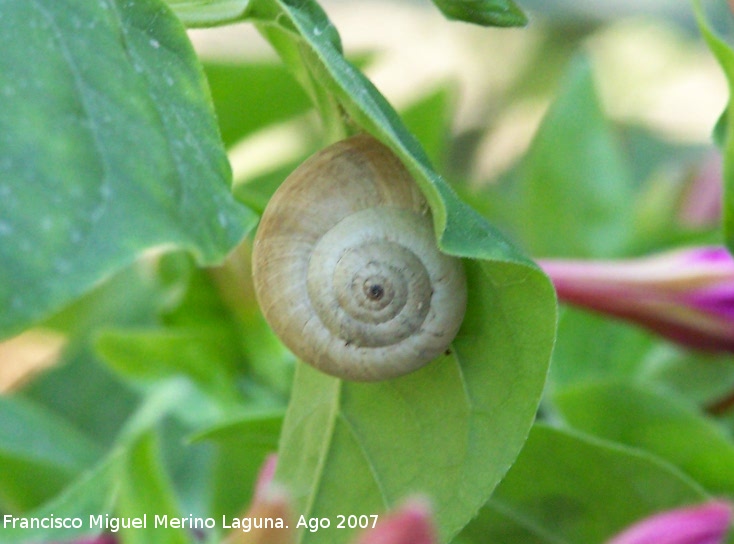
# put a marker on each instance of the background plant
(125, 258)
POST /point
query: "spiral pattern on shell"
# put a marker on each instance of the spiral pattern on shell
(346, 267)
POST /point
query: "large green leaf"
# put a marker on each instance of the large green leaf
(590, 347)
(660, 424)
(725, 129)
(572, 489)
(573, 194)
(109, 147)
(452, 429)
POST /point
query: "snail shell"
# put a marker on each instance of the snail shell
(346, 267)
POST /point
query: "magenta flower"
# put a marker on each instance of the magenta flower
(686, 295)
(704, 524)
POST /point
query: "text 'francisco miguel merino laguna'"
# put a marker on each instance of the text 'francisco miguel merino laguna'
(114, 524)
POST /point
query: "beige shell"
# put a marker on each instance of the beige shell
(346, 267)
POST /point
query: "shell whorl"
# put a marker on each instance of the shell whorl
(346, 267)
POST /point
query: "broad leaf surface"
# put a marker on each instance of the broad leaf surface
(109, 147)
(656, 423)
(572, 489)
(452, 429)
(590, 347)
(573, 191)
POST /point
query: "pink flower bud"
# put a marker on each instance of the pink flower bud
(686, 295)
(704, 524)
(409, 524)
(265, 476)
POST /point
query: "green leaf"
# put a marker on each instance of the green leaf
(204, 13)
(310, 45)
(704, 379)
(452, 429)
(109, 147)
(574, 190)
(40, 453)
(145, 492)
(429, 118)
(590, 347)
(173, 397)
(131, 481)
(721, 129)
(86, 394)
(101, 401)
(725, 127)
(483, 12)
(145, 479)
(211, 335)
(201, 354)
(572, 489)
(662, 425)
(243, 96)
(90, 495)
(283, 26)
(242, 444)
(269, 364)
(170, 411)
